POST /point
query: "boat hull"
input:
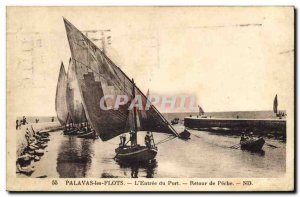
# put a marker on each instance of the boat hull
(138, 153)
(89, 135)
(185, 135)
(70, 132)
(253, 145)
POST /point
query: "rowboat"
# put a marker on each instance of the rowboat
(185, 135)
(136, 153)
(252, 144)
(175, 121)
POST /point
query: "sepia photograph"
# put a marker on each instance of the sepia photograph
(150, 98)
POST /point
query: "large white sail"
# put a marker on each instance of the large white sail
(60, 99)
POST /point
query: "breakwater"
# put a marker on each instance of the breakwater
(268, 127)
(38, 127)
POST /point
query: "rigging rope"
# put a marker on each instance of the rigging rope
(166, 139)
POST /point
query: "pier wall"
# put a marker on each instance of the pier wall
(41, 127)
(258, 126)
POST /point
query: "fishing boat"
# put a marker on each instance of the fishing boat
(98, 76)
(185, 134)
(279, 114)
(175, 121)
(73, 97)
(60, 98)
(252, 144)
(136, 152)
(69, 107)
(201, 112)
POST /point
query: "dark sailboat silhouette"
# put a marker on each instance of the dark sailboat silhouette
(201, 112)
(98, 76)
(278, 113)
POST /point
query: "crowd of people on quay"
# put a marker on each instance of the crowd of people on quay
(21, 122)
(33, 151)
(24, 121)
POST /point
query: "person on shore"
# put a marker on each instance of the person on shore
(20, 124)
(24, 121)
(17, 124)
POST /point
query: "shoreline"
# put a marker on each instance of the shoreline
(38, 127)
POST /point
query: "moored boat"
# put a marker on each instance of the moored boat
(175, 121)
(136, 153)
(185, 135)
(252, 144)
(88, 135)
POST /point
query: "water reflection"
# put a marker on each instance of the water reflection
(258, 153)
(74, 157)
(147, 167)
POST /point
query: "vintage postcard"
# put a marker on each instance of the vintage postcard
(150, 99)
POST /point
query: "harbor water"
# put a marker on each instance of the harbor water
(205, 155)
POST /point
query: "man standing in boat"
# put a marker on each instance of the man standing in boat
(132, 138)
(243, 137)
(148, 140)
(123, 140)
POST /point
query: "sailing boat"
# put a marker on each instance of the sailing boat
(76, 111)
(97, 77)
(87, 131)
(73, 96)
(275, 109)
(60, 98)
(201, 112)
(135, 151)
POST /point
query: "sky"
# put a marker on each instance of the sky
(230, 58)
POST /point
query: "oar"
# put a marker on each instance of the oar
(271, 145)
(196, 135)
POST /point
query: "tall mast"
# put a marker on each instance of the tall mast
(134, 140)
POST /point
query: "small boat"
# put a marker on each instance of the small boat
(39, 152)
(42, 145)
(43, 134)
(252, 144)
(185, 135)
(136, 153)
(37, 158)
(175, 121)
(25, 160)
(27, 170)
